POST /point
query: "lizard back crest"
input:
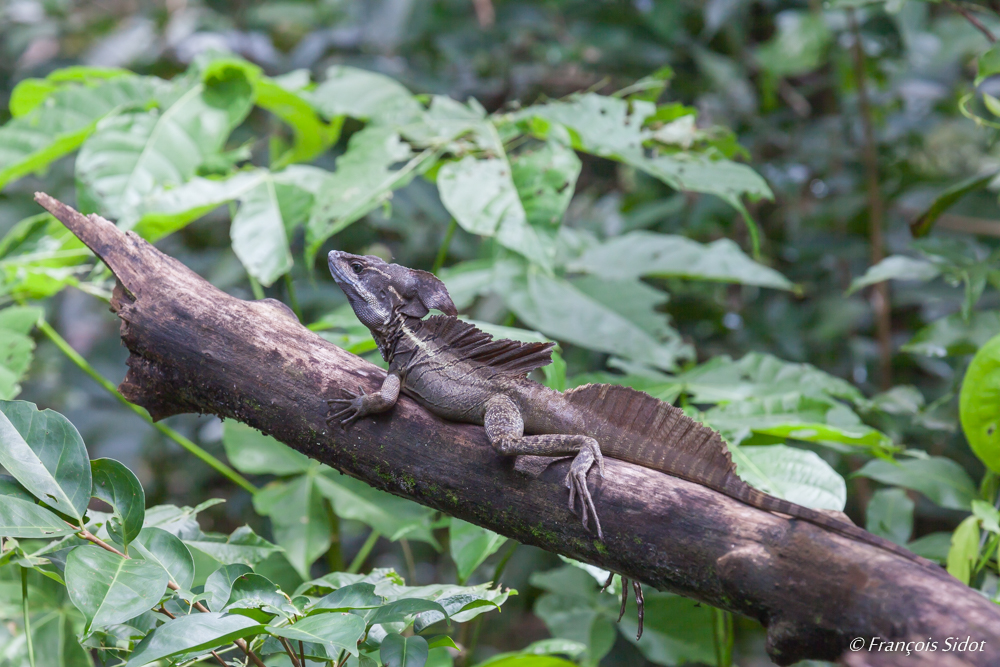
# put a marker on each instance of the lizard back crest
(465, 341)
(634, 426)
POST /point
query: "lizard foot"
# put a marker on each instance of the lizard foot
(640, 601)
(576, 482)
(349, 409)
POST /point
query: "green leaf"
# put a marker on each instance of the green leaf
(28, 94)
(890, 515)
(442, 641)
(923, 223)
(253, 591)
(390, 515)
(242, 546)
(46, 454)
(470, 545)
(480, 194)
(194, 632)
(526, 661)
(538, 654)
(335, 630)
(979, 404)
(219, 584)
(110, 589)
(119, 487)
(363, 180)
(934, 547)
(252, 452)
(676, 630)
(60, 123)
(156, 545)
(399, 651)
(35, 256)
(987, 514)
(665, 255)
(940, 479)
(132, 154)
(353, 596)
(23, 518)
(299, 520)
(896, 267)
(988, 65)
(964, 549)
(955, 335)
(799, 45)
(312, 135)
(796, 475)
(404, 609)
(16, 347)
(583, 313)
(348, 91)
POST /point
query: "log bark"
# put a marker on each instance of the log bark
(196, 349)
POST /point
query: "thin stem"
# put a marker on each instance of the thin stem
(445, 244)
(876, 208)
(411, 566)
(293, 299)
(971, 18)
(258, 291)
(722, 631)
(94, 539)
(184, 442)
(302, 652)
(335, 554)
(289, 651)
(502, 565)
(27, 616)
(366, 549)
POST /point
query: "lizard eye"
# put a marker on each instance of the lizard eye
(357, 268)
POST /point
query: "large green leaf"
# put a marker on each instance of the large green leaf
(353, 596)
(23, 518)
(219, 585)
(253, 591)
(470, 545)
(390, 515)
(242, 546)
(587, 314)
(130, 155)
(156, 545)
(896, 267)
(482, 197)
(16, 347)
(46, 454)
(797, 47)
(348, 91)
(364, 178)
(337, 630)
(664, 255)
(890, 515)
(110, 589)
(940, 479)
(54, 639)
(311, 135)
(37, 257)
(119, 487)
(399, 651)
(60, 123)
(193, 632)
(796, 475)
(955, 335)
(964, 549)
(299, 519)
(251, 451)
(979, 404)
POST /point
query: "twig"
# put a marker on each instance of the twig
(971, 18)
(289, 651)
(94, 539)
(27, 617)
(366, 549)
(876, 210)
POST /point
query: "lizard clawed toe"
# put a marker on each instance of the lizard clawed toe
(640, 601)
(349, 409)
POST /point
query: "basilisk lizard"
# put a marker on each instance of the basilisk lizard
(462, 374)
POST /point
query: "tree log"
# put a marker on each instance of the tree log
(196, 349)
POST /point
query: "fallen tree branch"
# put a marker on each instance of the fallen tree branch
(196, 349)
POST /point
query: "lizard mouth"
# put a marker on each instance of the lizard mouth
(337, 261)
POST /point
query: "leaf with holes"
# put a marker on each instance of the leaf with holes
(23, 518)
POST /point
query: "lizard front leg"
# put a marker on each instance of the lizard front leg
(360, 404)
(505, 430)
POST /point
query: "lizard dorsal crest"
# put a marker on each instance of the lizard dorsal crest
(510, 357)
(648, 431)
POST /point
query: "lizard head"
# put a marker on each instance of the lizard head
(380, 292)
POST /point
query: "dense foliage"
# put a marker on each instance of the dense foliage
(705, 201)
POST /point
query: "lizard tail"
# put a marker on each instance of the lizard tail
(633, 426)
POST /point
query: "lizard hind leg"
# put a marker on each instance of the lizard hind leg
(505, 430)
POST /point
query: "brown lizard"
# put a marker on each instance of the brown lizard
(462, 374)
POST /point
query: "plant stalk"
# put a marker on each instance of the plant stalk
(876, 207)
(366, 549)
(445, 244)
(27, 616)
